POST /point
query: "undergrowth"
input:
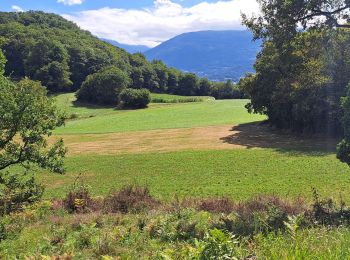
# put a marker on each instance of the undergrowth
(130, 224)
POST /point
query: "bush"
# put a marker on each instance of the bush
(219, 245)
(103, 87)
(135, 98)
(78, 199)
(129, 199)
(219, 205)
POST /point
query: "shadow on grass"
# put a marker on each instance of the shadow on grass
(260, 135)
(92, 106)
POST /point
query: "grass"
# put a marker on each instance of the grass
(67, 103)
(166, 98)
(184, 115)
(238, 174)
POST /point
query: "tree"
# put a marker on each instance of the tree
(162, 75)
(280, 19)
(27, 117)
(104, 86)
(173, 80)
(204, 87)
(300, 76)
(188, 85)
(54, 76)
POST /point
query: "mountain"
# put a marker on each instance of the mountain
(218, 55)
(128, 48)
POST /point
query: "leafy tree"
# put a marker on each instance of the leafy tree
(162, 75)
(103, 87)
(204, 87)
(300, 76)
(226, 90)
(188, 85)
(55, 76)
(173, 80)
(137, 77)
(27, 117)
(135, 98)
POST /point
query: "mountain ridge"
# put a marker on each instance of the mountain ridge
(218, 55)
(129, 48)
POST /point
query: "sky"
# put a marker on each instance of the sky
(143, 22)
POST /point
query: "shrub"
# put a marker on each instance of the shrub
(183, 225)
(135, 98)
(219, 245)
(327, 212)
(129, 199)
(261, 215)
(219, 205)
(103, 87)
(78, 199)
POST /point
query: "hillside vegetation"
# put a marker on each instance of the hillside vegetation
(84, 177)
(56, 52)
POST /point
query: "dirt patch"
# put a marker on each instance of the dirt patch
(200, 138)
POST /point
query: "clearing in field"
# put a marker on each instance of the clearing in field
(196, 149)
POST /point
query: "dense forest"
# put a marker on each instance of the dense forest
(56, 52)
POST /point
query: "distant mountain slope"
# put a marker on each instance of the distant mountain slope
(128, 48)
(218, 55)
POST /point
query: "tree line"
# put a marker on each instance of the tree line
(64, 58)
(302, 73)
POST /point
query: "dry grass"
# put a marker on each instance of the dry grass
(199, 138)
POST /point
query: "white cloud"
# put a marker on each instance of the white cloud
(70, 2)
(17, 8)
(164, 20)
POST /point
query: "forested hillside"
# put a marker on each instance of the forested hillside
(50, 49)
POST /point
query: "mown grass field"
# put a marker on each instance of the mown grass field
(236, 173)
(159, 116)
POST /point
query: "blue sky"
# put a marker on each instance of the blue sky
(54, 6)
(145, 22)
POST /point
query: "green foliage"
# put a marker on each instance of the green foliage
(218, 245)
(226, 91)
(134, 98)
(27, 117)
(343, 149)
(2, 63)
(17, 191)
(103, 87)
(300, 75)
(170, 232)
(78, 198)
(188, 85)
(48, 48)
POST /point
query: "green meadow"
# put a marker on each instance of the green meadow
(236, 173)
(157, 116)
